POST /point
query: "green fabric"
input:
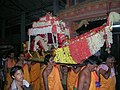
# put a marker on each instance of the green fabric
(74, 88)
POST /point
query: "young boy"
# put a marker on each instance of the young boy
(18, 79)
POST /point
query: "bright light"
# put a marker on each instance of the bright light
(114, 26)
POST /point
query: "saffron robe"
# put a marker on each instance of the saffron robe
(26, 73)
(71, 79)
(107, 84)
(35, 76)
(94, 79)
(54, 82)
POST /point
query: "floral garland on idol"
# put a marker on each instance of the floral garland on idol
(83, 46)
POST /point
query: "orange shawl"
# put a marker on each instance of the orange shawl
(54, 82)
(26, 73)
(71, 79)
(35, 76)
(107, 84)
(94, 78)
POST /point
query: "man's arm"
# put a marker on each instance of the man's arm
(59, 69)
(81, 80)
(45, 80)
(104, 73)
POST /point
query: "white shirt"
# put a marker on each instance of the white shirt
(105, 67)
(14, 86)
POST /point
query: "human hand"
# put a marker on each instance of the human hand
(27, 88)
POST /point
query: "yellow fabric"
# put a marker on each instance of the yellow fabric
(26, 73)
(35, 76)
(94, 78)
(54, 82)
(41, 77)
(63, 55)
(107, 84)
(9, 81)
(71, 79)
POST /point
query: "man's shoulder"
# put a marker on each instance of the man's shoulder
(83, 71)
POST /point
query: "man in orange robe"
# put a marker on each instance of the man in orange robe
(10, 62)
(35, 75)
(25, 65)
(72, 77)
(88, 79)
(94, 81)
(51, 74)
(107, 74)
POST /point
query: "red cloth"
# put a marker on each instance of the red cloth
(40, 44)
(61, 38)
(79, 50)
(32, 45)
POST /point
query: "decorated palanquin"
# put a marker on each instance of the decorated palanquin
(83, 46)
(47, 33)
(68, 51)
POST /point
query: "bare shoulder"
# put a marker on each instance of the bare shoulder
(82, 73)
(45, 72)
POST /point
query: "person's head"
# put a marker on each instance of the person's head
(17, 73)
(110, 60)
(22, 56)
(11, 54)
(48, 59)
(92, 62)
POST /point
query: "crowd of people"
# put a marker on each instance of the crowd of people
(92, 74)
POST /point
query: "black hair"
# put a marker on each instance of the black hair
(47, 57)
(9, 53)
(93, 60)
(109, 56)
(105, 56)
(14, 70)
(21, 53)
